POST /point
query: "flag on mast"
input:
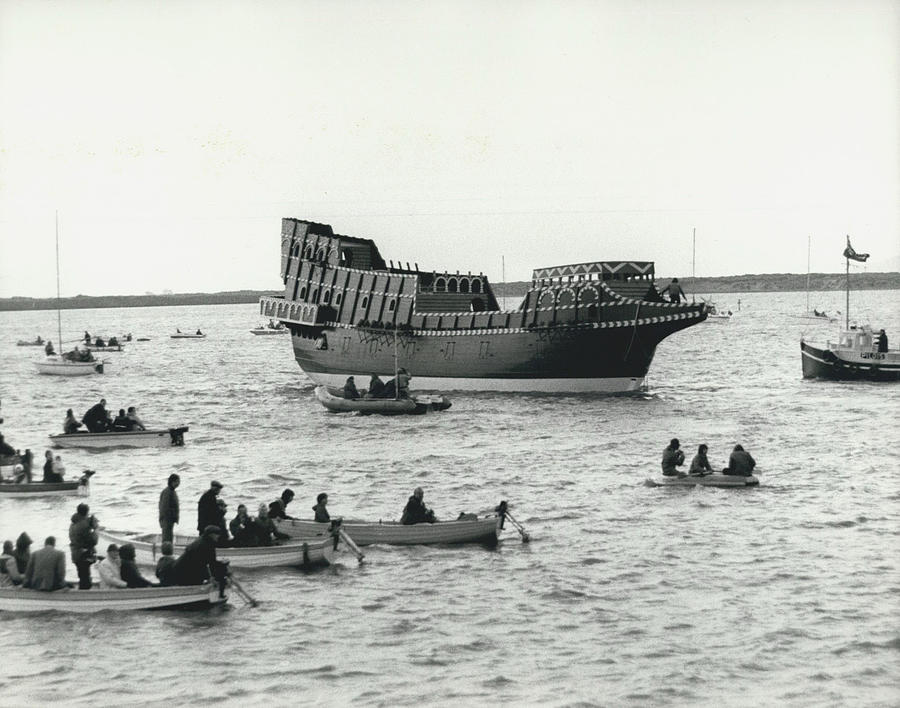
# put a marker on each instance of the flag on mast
(853, 255)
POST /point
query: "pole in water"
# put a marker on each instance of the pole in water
(526, 537)
(243, 593)
(351, 544)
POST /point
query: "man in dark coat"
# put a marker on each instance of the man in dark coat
(740, 462)
(672, 457)
(83, 542)
(193, 567)
(96, 419)
(207, 508)
(416, 512)
(169, 508)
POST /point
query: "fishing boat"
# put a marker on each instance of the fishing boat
(168, 437)
(80, 487)
(120, 599)
(366, 533)
(709, 480)
(304, 552)
(859, 354)
(581, 327)
(271, 328)
(187, 335)
(333, 399)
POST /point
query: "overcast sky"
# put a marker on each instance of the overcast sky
(173, 136)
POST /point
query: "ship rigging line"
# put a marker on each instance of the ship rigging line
(637, 311)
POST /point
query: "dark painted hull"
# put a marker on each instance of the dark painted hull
(853, 366)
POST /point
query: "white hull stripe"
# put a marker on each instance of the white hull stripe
(621, 384)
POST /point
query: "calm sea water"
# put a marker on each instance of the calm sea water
(627, 595)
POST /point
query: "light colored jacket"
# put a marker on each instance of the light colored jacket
(110, 574)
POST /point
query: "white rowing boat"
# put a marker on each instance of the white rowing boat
(366, 533)
(709, 480)
(17, 599)
(296, 552)
(81, 488)
(170, 437)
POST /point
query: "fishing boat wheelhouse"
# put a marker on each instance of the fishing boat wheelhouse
(582, 327)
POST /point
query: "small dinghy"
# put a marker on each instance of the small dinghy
(271, 328)
(366, 533)
(96, 599)
(304, 552)
(708, 480)
(36, 343)
(170, 437)
(14, 490)
(186, 335)
(333, 399)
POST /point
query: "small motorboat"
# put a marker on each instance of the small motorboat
(270, 328)
(365, 533)
(17, 599)
(169, 437)
(60, 366)
(708, 480)
(188, 335)
(333, 399)
(304, 552)
(80, 487)
(856, 356)
(36, 343)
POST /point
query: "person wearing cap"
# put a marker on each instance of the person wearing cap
(82, 542)
(110, 569)
(198, 562)
(278, 508)
(672, 456)
(207, 508)
(321, 513)
(415, 511)
(169, 508)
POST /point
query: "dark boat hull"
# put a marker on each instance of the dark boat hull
(851, 366)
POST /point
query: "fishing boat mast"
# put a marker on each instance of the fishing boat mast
(847, 306)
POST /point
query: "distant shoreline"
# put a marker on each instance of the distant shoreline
(776, 282)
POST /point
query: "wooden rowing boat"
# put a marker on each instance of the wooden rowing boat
(16, 599)
(304, 552)
(170, 437)
(80, 487)
(709, 480)
(333, 399)
(366, 533)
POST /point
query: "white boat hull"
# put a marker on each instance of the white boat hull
(365, 533)
(9, 490)
(298, 552)
(266, 331)
(57, 366)
(710, 480)
(98, 600)
(171, 437)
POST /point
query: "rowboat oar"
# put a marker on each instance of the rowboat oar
(243, 593)
(351, 545)
(521, 529)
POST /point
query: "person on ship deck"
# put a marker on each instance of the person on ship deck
(882, 341)
(48, 349)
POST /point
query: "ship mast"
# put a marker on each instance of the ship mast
(847, 307)
(58, 315)
(808, 241)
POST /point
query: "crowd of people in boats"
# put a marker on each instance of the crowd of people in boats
(98, 420)
(100, 342)
(740, 462)
(394, 388)
(23, 464)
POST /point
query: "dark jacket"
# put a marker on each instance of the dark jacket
(46, 570)
(23, 551)
(741, 463)
(265, 533)
(50, 477)
(96, 417)
(242, 531)
(207, 510)
(322, 514)
(82, 538)
(670, 458)
(192, 566)
(416, 512)
(165, 570)
(169, 508)
(278, 510)
(132, 576)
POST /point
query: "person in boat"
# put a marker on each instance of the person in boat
(169, 508)
(59, 469)
(87, 337)
(23, 476)
(165, 566)
(674, 291)
(207, 508)
(376, 387)
(46, 569)
(198, 331)
(264, 529)
(321, 513)
(672, 457)
(113, 342)
(134, 423)
(6, 450)
(177, 331)
(110, 569)
(278, 508)
(130, 573)
(83, 543)
(9, 571)
(48, 348)
(96, 418)
(350, 390)
(22, 553)
(71, 424)
(700, 464)
(198, 562)
(98, 342)
(415, 511)
(241, 528)
(128, 337)
(53, 469)
(740, 462)
(120, 423)
(882, 341)
(222, 523)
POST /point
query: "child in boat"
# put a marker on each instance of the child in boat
(165, 566)
(322, 515)
(700, 464)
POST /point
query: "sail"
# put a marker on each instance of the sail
(853, 255)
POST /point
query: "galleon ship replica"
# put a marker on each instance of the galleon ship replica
(583, 327)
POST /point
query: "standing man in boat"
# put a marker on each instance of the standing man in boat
(672, 457)
(83, 542)
(882, 341)
(208, 509)
(96, 418)
(674, 291)
(198, 562)
(169, 508)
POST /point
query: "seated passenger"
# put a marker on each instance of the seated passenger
(71, 424)
(9, 572)
(165, 566)
(265, 532)
(113, 342)
(110, 569)
(278, 508)
(740, 463)
(22, 552)
(242, 528)
(24, 475)
(98, 342)
(415, 511)
(321, 513)
(376, 387)
(350, 389)
(48, 349)
(87, 337)
(6, 450)
(51, 474)
(46, 568)
(671, 458)
(121, 424)
(389, 390)
(135, 423)
(193, 566)
(130, 573)
(199, 332)
(700, 464)
(403, 379)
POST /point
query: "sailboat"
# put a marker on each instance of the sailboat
(813, 314)
(713, 313)
(59, 365)
(859, 354)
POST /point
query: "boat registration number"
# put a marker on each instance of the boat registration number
(872, 355)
